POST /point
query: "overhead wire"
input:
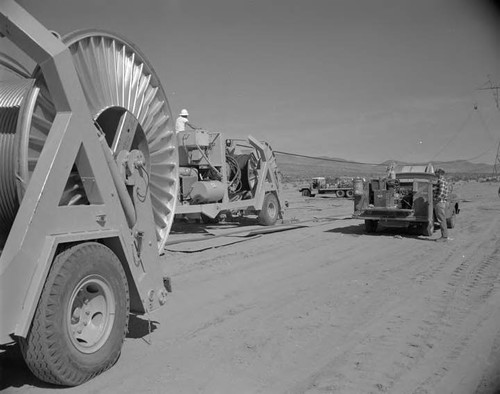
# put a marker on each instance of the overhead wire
(329, 159)
(455, 135)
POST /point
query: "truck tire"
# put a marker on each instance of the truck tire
(349, 193)
(428, 229)
(81, 319)
(306, 193)
(340, 193)
(371, 226)
(270, 210)
(450, 222)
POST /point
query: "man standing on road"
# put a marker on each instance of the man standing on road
(440, 198)
(182, 122)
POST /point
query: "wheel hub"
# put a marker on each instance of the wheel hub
(91, 314)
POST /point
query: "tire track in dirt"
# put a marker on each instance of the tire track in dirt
(470, 282)
(471, 285)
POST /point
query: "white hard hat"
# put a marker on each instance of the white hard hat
(184, 112)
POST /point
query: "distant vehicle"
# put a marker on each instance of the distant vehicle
(406, 201)
(341, 188)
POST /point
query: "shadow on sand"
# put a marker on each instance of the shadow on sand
(357, 230)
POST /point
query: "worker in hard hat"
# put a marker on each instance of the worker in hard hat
(182, 121)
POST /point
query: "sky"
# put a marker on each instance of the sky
(361, 80)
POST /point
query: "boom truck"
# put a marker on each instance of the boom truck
(89, 180)
(235, 177)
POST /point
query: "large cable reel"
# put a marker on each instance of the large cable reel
(25, 120)
(118, 82)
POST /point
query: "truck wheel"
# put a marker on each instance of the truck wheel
(371, 226)
(81, 319)
(339, 193)
(270, 210)
(306, 193)
(349, 193)
(450, 222)
(428, 229)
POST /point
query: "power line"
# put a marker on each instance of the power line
(329, 159)
(460, 129)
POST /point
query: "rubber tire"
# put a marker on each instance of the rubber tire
(48, 350)
(371, 225)
(428, 229)
(349, 193)
(450, 222)
(340, 193)
(270, 210)
(306, 193)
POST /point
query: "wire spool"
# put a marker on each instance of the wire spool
(25, 120)
(117, 81)
(248, 165)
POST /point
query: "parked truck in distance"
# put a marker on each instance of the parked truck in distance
(341, 187)
(405, 201)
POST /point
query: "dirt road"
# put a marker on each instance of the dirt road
(320, 309)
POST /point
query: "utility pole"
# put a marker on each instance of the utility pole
(494, 89)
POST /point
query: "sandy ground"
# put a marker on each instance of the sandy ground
(323, 308)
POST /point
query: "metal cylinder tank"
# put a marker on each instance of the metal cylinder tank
(207, 191)
(358, 186)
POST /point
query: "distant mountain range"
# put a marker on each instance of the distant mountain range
(303, 167)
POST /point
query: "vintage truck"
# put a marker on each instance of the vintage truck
(341, 187)
(405, 201)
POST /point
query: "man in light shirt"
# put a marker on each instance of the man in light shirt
(182, 121)
(440, 199)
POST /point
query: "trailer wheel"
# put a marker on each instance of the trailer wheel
(349, 193)
(340, 193)
(450, 222)
(81, 319)
(270, 210)
(371, 226)
(428, 229)
(306, 193)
